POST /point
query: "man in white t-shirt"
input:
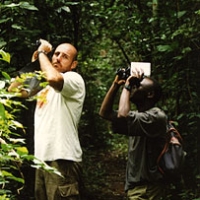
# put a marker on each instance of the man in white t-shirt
(57, 114)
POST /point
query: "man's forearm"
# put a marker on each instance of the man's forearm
(124, 103)
(106, 109)
(52, 76)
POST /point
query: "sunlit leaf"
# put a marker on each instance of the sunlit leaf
(23, 150)
(16, 26)
(17, 124)
(6, 75)
(2, 84)
(17, 140)
(11, 5)
(66, 8)
(2, 111)
(27, 6)
(5, 56)
(12, 177)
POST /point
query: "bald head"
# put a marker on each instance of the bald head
(64, 57)
(69, 48)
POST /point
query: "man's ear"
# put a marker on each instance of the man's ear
(74, 64)
(150, 94)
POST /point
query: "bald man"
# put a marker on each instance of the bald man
(57, 114)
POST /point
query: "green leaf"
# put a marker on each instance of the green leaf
(163, 48)
(15, 26)
(22, 150)
(4, 20)
(186, 50)
(17, 124)
(2, 111)
(2, 44)
(179, 31)
(12, 177)
(6, 75)
(72, 3)
(181, 13)
(11, 5)
(65, 8)
(5, 56)
(197, 12)
(27, 6)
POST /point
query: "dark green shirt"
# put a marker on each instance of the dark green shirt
(146, 131)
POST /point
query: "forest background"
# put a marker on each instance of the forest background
(109, 34)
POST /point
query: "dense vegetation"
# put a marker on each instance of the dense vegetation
(109, 35)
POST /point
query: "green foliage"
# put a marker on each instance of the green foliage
(5, 56)
(109, 35)
(14, 152)
(12, 147)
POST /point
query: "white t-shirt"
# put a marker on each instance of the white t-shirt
(57, 116)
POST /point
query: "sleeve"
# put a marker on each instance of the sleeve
(74, 86)
(119, 125)
(151, 123)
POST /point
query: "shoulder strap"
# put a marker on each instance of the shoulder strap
(172, 137)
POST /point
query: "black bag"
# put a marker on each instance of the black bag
(33, 83)
(171, 159)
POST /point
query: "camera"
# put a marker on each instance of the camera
(123, 73)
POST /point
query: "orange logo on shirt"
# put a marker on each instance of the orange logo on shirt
(42, 98)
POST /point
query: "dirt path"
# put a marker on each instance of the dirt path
(107, 175)
(115, 177)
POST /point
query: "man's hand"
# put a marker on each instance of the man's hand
(135, 78)
(45, 46)
(119, 81)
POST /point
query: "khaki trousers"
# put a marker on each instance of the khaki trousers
(50, 186)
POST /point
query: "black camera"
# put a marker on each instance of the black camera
(124, 73)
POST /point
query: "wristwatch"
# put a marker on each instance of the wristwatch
(44, 52)
(128, 87)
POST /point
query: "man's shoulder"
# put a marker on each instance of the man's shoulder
(73, 77)
(72, 73)
(73, 84)
(153, 111)
(157, 110)
(151, 116)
